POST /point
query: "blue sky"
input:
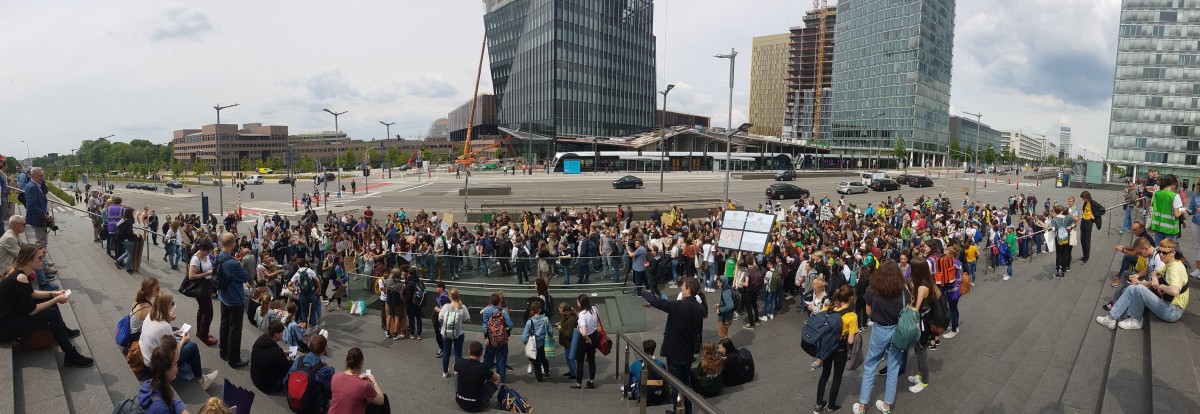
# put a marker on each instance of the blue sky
(78, 70)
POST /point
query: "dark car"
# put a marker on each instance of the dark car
(174, 184)
(786, 175)
(405, 167)
(287, 180)
(133, 185)
(920, 181)
(902, 179)
(150, 187)
(628, 181)
(329, 176)
(782, 191)
(884, 185)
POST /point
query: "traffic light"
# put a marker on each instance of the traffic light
(366, 172)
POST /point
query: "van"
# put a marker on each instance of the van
(253, 179)
(866, 177)
(265, 170)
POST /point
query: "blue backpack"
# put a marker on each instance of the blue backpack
(821, 334)
(511, 401)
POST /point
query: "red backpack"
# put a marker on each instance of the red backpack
(303, 389)
(945, 273)
(497, 330)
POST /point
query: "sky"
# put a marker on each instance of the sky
(140, 69)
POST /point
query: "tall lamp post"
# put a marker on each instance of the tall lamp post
(732, 56)
(339, 158)
(662, 162)
(975, 176)
(529, 165)
(385, 138)
(28, 157)
(217, 144)
(98, 180)
(729, 141)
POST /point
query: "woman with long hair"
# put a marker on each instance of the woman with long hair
(24, 309)
(126, 236)
(143, 301)
(589, 333)
(925, 294)
(451, 319)
(157, 326)
(156, 391)
(201, 267)
(706, 375)
(568, 336)
(356, 391)
(885, 298)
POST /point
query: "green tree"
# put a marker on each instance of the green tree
(900, 152)
(176, 169)
(245, 164)
(275, 163)
(989, 155)
(393, 156)
(348, 159)
(200, 166)
(956, 150)
(306, 164)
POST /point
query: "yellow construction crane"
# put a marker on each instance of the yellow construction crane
(819, 5)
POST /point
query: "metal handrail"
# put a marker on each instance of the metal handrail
(698, 401)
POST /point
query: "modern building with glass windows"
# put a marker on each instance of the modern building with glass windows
(1155, 119)
(971, 136)
(891, 79)
(573, 67)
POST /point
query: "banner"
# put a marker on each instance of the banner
(745, 231)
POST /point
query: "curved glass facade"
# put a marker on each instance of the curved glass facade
(573, 67)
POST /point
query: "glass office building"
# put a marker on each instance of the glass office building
(573, 67)
(1155, 120)
(891, 79)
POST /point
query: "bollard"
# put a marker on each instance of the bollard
(1039, 182)
(984, 183)
(1010, 181)
(251, 195)
(295, 205)
(1018, 185)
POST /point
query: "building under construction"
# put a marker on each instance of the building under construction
(802, 82)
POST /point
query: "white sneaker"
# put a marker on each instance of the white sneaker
(879, 406)
(771, 317)
(208, 380)
(710, 290)
(1007, 277)
(529, 369)
(672, 285)
(870, 323)
(1196, 273)
(762, 318)
(1130, 324)
(949, 334)
(917, 388)
(1106, 321)
(915, 379)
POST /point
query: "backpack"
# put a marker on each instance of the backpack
(302, 389)
(946, 273)
(451, 320)
(939, 315)
(511, 401)
(305, 283)
(821, 334)
(908, 327)
(756, 281)
(122, 333)
(131, 406)
(742, 372)
(497, 330)
(1062, 236)
(736, 294)
(418, 294)
(218, 273)
(978, 236)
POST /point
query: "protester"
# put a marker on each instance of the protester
(835, 364)
(497, 325)
(201, 267)
(10, 247)
(24, 309)
(356, 391)
(37, 213)
(1165, 298)
(269, 364)
(324, 369)
(476, 383)
(156, 391)
(231, 291)
(685, 321)
(888, 294)
(451, 317)
(589, 325)
(157, 326)
(537, 329)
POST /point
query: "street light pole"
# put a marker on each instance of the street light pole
(975, 176)
(385, 138)
(339, 158)
(732, 56)
(28, 157)
(529, 165)
(662, 166)
(217, 145)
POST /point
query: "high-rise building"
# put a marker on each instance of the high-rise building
(1026, 147)
(1064, 142)
(768, 89)
(1156, 93)
(802, 79)
(572, 67)
(891, 79)
(972, 136)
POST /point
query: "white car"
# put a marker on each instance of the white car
(851, 187)
(253, 179)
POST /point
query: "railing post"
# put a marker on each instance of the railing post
(626, 348)
(642, 387)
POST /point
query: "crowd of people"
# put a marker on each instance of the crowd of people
(865, 263)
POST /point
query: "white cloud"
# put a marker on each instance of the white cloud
(181, 24)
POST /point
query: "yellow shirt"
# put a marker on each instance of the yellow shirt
(849, 323)
(1177, 276)
(972, 253)
(1087, 211)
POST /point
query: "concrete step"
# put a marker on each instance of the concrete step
(1125, 387)
(38, 385)
(8, 395)
(85, 389)
(1175, 384)
(1086, 384)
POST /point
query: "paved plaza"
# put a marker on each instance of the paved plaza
(1026, 345)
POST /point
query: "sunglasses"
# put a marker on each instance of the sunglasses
(1161, 251)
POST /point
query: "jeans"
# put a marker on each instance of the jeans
(173, 255)
(1123, 283)
(565, 270)
(1062, 257)
(496, 359)
(110, 245)
(541, 365)
(450, 266)
(454, 345)
(881, 342)
(710, 274)
(522, 272)
(231, 332)
(124, 257)
(190, 355)
(835, 364)
(1137, 299)
(639, 280)
(750, 306)
(1128, 223)
(1085, 239)
(585, 270)
(586, 353)
(484, 266)
(681, 369)
(23, 324)
(204, 311)
(675, 270)
(614, 267)
(770, 304)
(1159, 236)
(953, 314)
(414, 320)
(971, 269)
(310, 308)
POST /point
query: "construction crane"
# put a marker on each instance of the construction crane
(467, 158)
(471, 153)
(819, 5)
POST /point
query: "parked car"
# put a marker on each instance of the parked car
(329, 176)
(287, 180)
(902, 179)
(920, 181)
(866, 177)
(627, 181)
(782, 191)
(884, 185)
(785, 175)
(150, 187)
(851, 187)
(174, 184)
(253, 179)
(265, 170)
(133, 185)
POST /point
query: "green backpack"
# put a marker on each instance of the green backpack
(908, 329)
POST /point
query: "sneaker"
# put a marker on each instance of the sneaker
(883, 372)
(418, 337)
(438, 355)
(1007, 277)
(763, 318)
(747, 326)
(870, 323)
(710, 290)
(771, 317)
(949, 334)
(879, 406)
(1108, 306)
(208, 380)
(915, 379)
(788, 297)
(858, 408)
(819, 408)
(1130, 324)
(672, 285)
(1106, 321)
(916, 388)
(1195, 273)
(398, 337)
(445, 375)
(78, 362)
(736, 316)
(529, 369)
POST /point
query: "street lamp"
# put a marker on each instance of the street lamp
(732, 56)
(529, 165)
(217, 147)
(975, 176)
(385, 138)
(729, 141)
(875, 144)
(28, 157)
(662, 166)
(339, 158)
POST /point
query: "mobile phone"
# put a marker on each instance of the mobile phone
(368, 372)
